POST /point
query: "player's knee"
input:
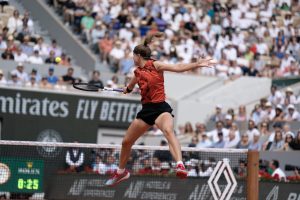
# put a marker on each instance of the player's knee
(126, 142)
(168, 131)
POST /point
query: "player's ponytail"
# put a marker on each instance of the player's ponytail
(150, 37)
(143, 49)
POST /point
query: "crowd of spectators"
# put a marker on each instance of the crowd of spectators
(20, 78)
(254, 38)
(159, 162)
(276, 111)
(20, 41)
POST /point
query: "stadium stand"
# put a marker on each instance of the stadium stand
(252, 38)
(254, 41)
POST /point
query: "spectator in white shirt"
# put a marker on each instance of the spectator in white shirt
(251, 14)
(191, 169)
(255, 144)
(29, 23)
(269, 113)
(14, 22)
(21, 74)
(236, 130)
(265, 13)
(255, 3)
(289, 94)
(230, 52)
(275, 96)
(207, 34)
(278, 174)
(202, 23)
(126, 33)
(206, 168)
(54, 47)
(36, 58)
(292, 70)
(294, 47)
(3, 44)
(235, 14)
(274, 30)
(98, 32)
(2, 78)
(262, 47)
(116, 54)
(167, 11)
(234, 70)
(110, 166)
(14, 81)
(260, 30)
(74, 160)
(252, 130)
(286, 61)
(115, 9)
(292, 114)
(19, 56)
(186, 56)
(219, 129)
(244, 143)
(228, 120)
(222, 69)
(41, 47)
(279, 114)
(232, 141)
(246, 23)
(99, 166)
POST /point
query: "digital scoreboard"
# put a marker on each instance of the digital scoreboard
(21, 175)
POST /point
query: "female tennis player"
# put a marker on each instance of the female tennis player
(150, 78)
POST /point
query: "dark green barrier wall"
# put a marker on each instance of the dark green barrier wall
(284, 82)
(47, 116)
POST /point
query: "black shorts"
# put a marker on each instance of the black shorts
(150, 111)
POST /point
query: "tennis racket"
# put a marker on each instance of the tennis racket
(94, 87)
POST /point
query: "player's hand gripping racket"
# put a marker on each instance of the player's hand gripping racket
(94, 87)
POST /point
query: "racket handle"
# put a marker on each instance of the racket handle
(112, 89)
(118, 90)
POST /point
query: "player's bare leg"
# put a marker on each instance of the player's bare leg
(137, 128)
(165, 123)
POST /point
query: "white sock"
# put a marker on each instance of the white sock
(120, 171)
(179, 162)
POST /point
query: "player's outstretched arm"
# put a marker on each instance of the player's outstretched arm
(203, 62)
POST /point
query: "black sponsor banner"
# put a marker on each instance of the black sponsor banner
(47, 116)
(279, 191)
(91, 186)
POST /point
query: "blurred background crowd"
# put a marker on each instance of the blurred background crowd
(250, 38)
(149, 162)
